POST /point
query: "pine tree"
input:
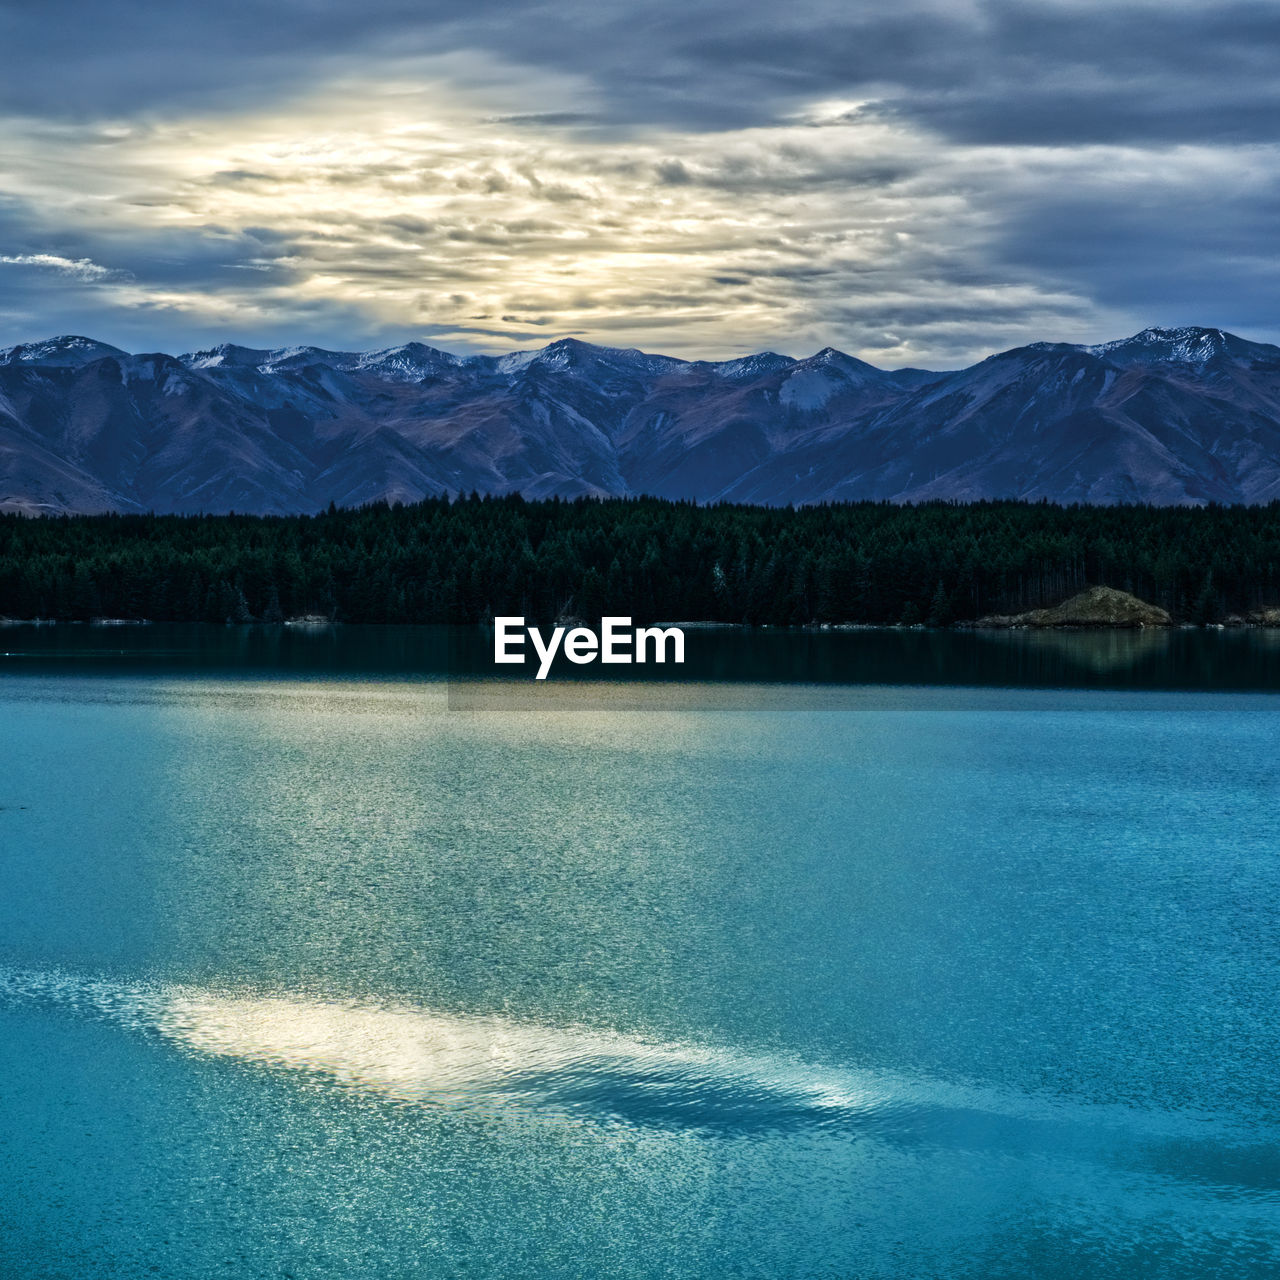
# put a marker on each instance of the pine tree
(940, 607)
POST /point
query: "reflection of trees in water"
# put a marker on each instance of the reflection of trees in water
(1243, 659)
(1149, 658)
(1099, 651)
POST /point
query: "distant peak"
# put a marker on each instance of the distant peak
(66, 350)
(414, 348)
(1190, 344)
(846, 364)
(756, 366)
(409, 362)
(575, 354)
(563, 349)
(69, 342)
(1183, 334)
(563, 352)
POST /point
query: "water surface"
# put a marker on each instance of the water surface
(1187, 659)
(307, 974)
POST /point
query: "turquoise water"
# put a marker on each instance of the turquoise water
(321, 978)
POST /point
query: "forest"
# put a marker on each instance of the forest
(466, 560)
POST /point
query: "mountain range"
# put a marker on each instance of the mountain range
(1169, 416)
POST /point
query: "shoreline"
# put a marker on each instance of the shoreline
(319, 624)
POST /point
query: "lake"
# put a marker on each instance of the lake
(887, 954)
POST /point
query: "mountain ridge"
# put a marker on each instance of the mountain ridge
(1167, 416)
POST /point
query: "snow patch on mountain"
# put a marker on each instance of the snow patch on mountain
(225, 356)
(808, 389)
(757, 366)
(410, 362)
(1188, 345)
(516, 361)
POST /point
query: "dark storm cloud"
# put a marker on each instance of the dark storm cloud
(1025, 72)
(117, 57)
(1004, 71)
(1183, 250)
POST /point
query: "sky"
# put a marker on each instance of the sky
(916, 183)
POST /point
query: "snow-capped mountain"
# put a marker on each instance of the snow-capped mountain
(1191, 346)
(1168, 416)
(59, 353)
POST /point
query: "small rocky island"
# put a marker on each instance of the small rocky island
(1096, 607)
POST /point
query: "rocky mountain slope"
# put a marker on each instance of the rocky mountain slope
(1168, 416)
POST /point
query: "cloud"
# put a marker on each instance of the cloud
(924, 182)
(1038, 71)
(77, 269)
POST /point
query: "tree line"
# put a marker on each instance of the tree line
(469, 559)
